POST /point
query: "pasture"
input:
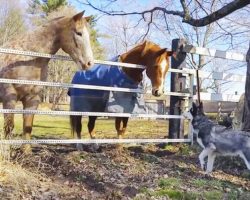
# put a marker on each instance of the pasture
(58, 127)
(115, 172)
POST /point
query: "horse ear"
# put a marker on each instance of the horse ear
(144, 48)
(164, 50)
(78, 16)
(88, 18)
(169, 53)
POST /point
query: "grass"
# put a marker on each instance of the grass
(201, 183)
(59, 127)
(14, 176)
(169, 182)
(172, 187)
(175, 194)
(177, 188)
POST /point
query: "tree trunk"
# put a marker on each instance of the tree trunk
(246, 113)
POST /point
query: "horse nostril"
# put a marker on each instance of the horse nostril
(90, 63)
(156, 93)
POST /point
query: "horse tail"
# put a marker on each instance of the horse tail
(72, 125)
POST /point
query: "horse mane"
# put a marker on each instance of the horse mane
(56, 19)
(52, 21)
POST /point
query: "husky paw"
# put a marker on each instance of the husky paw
(203, 165)
(79, 147)
(93, 148)
(208, 175)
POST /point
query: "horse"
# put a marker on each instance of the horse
(67, 33)
(149, 54)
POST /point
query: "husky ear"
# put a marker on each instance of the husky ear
(193, 110)
(201, 109)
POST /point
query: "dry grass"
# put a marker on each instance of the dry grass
(22, 182)
(15, 180)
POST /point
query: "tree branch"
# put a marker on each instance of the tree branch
(185, 14)
(222, 12)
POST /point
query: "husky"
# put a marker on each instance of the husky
(216, 139)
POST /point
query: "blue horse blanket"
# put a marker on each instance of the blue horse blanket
(89, 100)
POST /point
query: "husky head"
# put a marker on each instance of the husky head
(196, 114)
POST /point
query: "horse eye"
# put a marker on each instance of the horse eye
(79, 33)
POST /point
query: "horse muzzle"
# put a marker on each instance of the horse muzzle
(86, 65)
(157, 92)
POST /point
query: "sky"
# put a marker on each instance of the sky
(90, 11)
(142, 4)
(163, 40)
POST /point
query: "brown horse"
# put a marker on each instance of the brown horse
(148, 54)
(68, 33)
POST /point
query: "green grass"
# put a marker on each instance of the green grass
(179, 194)
(59, 127)
(175, 194)
(169, 182)
(207, 183)
(177, 188)
(213, 195)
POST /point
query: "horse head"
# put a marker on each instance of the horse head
(75, 40)
(157, 64)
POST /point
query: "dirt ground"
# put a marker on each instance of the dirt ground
(119, 172)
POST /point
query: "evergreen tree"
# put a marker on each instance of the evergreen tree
(50, 5)
(34, 6)
(94, 35)
(47, 6)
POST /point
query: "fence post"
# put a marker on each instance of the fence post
(246, 111)
(177, 62)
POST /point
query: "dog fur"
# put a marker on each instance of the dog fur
(217, 140)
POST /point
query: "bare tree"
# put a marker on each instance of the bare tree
(121, 35)
(164, 18)
(246, 111)
(186, 14)
(11, 21)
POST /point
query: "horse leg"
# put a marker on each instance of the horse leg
(9, 103)
(76, 126)
(91, 126)
(29, 103)
(121, 125)
(124, 125)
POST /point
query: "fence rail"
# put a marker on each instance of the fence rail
(214, 53)
(98, 114)
(81, 86)
(218, 97)
(93, 141)
(218, 75)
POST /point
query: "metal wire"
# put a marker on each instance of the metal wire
(67, 85)
(92, 141)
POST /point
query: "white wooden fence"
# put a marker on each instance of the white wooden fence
(68, 85)
(187, 49)
(217, 75)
